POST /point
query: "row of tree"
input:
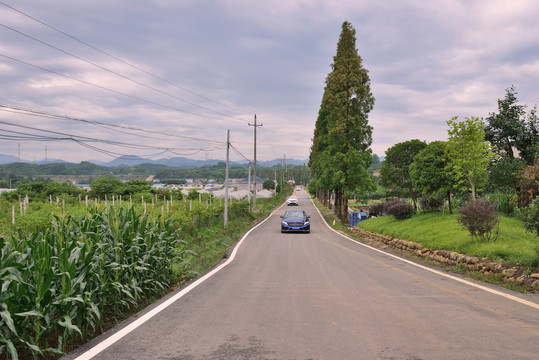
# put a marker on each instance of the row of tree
(492, 155)
(15, 174)
(340, 153)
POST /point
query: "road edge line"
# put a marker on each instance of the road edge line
(98, 348)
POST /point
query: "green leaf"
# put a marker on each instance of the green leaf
(66, 323)
(6, 316)
(30, 313)
(33, 347)
(12, 350)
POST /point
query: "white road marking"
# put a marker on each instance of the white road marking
(493, 291)
(135, 324)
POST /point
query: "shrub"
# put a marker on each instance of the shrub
(430, 202)
(389, 203)
(530, 217)
(268, 184)
(527, 184)
(504, 202)
(480, 218)
(398, 208)
(193, 194)
(376, 209)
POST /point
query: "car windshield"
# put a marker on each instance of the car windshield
(294, 214)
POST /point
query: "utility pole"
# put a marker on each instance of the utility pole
(282, 172)
(249, 188)
(285, 169)
(225, 216)
(254, 175)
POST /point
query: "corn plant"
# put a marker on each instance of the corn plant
(60, 283)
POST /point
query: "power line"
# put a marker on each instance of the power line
(532, 101)
(67, 136)
(123, 61)
(239, 153)
(19, 110)
(113, 72)
(110, 90)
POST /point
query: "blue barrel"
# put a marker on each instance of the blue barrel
(354, 218)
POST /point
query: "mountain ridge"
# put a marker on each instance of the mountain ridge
(178, 162)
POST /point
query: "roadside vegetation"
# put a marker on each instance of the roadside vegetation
(71, 268)
(475, 193)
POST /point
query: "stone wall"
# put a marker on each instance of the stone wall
(510, 273)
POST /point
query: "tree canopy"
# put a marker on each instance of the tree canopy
(395, 170)
(468, 151)
(512, 129)
(429, 173)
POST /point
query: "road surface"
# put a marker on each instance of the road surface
(323, 296)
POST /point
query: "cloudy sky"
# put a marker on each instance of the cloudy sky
(95, 79)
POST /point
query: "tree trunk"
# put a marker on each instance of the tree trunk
(344, 214)
(341, 206)
(472, 186)
(413, 195)
(337, 204)
(449, 201)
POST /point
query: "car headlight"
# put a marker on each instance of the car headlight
(284, 223)
(306, 223)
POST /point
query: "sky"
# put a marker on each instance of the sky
(91, 80)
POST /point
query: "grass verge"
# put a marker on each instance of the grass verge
(514, 245)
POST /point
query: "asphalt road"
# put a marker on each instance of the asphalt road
(323, 296)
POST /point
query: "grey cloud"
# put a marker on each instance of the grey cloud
(428, 61)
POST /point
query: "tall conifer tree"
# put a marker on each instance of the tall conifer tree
(340, 154)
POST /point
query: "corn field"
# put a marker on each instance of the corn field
(59, 284)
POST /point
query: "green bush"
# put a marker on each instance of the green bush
(505, 203)
(268, 184)
(431, 202)
(530, 217)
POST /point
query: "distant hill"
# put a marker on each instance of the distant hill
(8, 159)
(180, 162)
(177, 162)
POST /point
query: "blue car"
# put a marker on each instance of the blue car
(295, 220)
